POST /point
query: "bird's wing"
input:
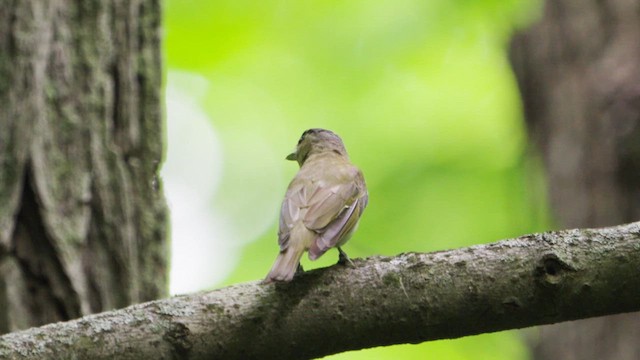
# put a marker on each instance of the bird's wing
(337, 232)
(294, 201)
(328, 202)
(325, 206)
(314, 202)
(335, 212)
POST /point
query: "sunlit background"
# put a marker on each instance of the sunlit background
(421, 93)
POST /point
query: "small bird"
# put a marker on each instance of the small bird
(322, 205)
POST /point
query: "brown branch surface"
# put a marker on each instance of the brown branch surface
(531, 280)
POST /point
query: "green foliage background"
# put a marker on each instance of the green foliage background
(421, 93)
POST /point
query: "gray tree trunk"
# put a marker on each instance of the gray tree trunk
(579, 73)
(82, 216)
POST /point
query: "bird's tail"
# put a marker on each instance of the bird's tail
(288, 260)
(285, 265)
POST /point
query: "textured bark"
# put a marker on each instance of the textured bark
(82, 219)
(535, 279)
(579, 73)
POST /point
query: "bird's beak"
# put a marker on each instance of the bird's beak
(293, 156)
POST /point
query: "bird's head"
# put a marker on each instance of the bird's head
(314, 141)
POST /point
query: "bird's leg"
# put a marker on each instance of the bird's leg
(299, 270)
(343, 259)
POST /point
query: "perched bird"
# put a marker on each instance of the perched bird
(322, 205)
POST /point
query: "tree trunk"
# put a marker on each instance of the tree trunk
(82, 216)
(579, 73)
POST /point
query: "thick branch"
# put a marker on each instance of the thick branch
(535, 279)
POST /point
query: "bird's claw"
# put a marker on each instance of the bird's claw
(343, 259)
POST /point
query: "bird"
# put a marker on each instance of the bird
(322, 205)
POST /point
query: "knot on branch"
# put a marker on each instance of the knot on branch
(551, 269)
(178, 336)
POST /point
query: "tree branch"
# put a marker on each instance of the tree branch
(531, 280)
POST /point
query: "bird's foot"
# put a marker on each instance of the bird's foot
(343, 259)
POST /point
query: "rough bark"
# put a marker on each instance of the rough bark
(535, 279)
(82, 219)
(579, 73)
